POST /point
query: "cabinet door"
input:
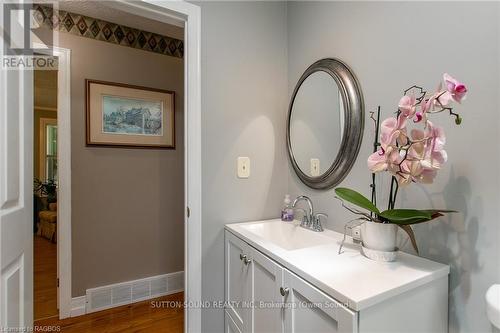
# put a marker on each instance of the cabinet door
(238, 283)
(230, 325)
(310, 310)
(267, 278)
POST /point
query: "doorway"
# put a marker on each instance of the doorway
(45, 194)
(69, 304)
(16, 212)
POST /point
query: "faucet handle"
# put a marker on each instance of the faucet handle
(317, 221)
(318, 216)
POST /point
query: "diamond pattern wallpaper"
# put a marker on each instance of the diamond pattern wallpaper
(89, 27)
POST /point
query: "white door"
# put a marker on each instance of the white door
(267, 279)
(309, 310)
(16, 197)
(238, 282)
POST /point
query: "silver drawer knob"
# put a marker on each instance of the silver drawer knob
(247, 261)
(284, 291)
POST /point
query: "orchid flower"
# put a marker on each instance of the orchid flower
(456, 89)
(435, 155)
(416, 158)
(407, 106)
(392, 132)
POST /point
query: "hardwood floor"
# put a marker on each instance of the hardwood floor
(45, 278)
(147, 316)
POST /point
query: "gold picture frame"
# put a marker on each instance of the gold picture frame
(128, 116)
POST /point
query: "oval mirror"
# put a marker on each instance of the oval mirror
(325, 123)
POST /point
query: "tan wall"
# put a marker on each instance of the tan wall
(127, 204)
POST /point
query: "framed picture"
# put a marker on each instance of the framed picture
(122, 115)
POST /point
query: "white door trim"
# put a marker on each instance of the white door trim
(64, 181)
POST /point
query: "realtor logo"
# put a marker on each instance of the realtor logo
(22, 48)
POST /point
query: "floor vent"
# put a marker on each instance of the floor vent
(113, 295)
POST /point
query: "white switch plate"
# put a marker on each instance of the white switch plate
(314, 167)
(243, 167)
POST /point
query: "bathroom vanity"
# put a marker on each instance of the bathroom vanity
(280, 277)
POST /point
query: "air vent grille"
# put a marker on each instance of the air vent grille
(110, 296)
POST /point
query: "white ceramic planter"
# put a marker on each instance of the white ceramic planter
(379, 236)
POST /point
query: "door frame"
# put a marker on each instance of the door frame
(64, 180)
(183, 14)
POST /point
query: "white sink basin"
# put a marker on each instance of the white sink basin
(287, 235)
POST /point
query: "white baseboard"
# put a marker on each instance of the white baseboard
(78, 306)
(118, 294)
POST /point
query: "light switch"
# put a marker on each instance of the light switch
(314, 167)
(243, 167)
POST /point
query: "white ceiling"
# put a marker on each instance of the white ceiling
(103, 10)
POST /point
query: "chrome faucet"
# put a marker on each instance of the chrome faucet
(310, 220)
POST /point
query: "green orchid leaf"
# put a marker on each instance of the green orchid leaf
(406, 216)
(356, 198)
(433, 217)
(434, 211)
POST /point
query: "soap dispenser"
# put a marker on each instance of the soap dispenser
(287, 211)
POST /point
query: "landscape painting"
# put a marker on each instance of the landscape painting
(127, 116)
(132, 116)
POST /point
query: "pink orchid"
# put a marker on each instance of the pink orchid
(414, 171)
(417, 149)
(407, 106)
(456, 89)
(419, 116)
(435, 155)
(392, 132)
(377, 162)
(410, 172)
(416, 157)
(427, 176)
(425, 107)
(422, 160)
(442, 98)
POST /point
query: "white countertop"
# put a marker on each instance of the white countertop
(350, 277)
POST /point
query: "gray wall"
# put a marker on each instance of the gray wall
(391, 46)
(127, 204)
(243, 107)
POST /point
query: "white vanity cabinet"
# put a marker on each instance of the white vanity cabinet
(251, 278)
(310, 310)
(269, 289)
(265, 297)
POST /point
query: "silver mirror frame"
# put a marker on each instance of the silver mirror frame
(354, 123)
